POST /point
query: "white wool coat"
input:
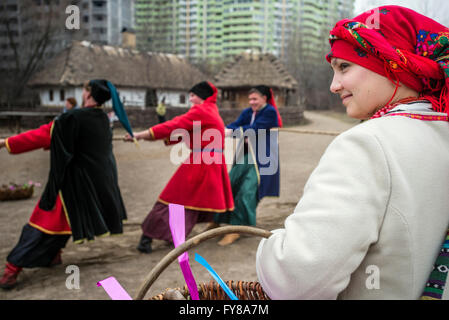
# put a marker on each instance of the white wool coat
(372, 218)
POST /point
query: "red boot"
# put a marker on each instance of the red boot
(57, 259)
(9, 279)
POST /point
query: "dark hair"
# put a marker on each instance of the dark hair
(72, 101)
(87, 86)
(99, 90)
(262, 90)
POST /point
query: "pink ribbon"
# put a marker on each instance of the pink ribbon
(178, 231)
(114, 289)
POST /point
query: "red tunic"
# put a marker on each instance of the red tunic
(50, 222)
(202, 181)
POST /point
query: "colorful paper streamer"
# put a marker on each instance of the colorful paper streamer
(217, 278)
(178, 231)
(114, 289)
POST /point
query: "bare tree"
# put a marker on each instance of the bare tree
(33, 31)
(306, 61)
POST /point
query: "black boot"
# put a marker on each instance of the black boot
(145, 244)
(57, 260)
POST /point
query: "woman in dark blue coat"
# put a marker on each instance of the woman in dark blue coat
(255, 173)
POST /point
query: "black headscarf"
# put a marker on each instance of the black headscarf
(202, 90)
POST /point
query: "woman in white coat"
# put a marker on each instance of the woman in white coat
(373, 220)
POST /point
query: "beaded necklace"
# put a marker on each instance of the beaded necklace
(382, 111)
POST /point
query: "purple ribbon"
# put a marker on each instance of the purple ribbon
(178, 231)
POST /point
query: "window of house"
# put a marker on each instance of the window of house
(11, 7)
(61, 95)
(51, 95)
(99, 30)
(99, 3)
(182, 98)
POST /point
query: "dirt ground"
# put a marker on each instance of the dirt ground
(142, 176)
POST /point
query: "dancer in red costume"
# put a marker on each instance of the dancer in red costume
(82, 198)
(202, 188)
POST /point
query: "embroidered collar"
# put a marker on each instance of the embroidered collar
(421, 110)
(414, 106)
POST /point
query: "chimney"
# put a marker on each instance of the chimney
(128, 38)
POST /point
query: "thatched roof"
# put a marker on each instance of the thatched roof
(252, 68)
(82, 61)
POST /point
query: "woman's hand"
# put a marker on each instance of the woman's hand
(2, 143)
(128, 138)
(145, 135)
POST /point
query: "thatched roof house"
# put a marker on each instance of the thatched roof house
(252, 68)
(141, 77)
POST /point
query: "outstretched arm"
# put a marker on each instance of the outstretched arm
(164, 131)
(29, 140)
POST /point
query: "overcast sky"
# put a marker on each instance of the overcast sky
(435, 9)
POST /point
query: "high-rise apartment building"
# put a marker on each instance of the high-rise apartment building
(216, 29)
(102, 21)
(213, 29)
(24, 22)
(33, 31)
(265, 25)
(316, 18)
(159, 23)
(26, 27)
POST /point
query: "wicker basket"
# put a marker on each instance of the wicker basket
(17, 193)
(212, 290)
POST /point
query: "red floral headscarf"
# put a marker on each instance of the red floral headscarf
(400, 44)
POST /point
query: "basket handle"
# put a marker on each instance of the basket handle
(194, 241)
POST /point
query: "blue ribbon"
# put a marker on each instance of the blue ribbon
(119, 109)
(217, 278)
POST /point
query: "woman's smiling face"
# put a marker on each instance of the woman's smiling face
(361, 90)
